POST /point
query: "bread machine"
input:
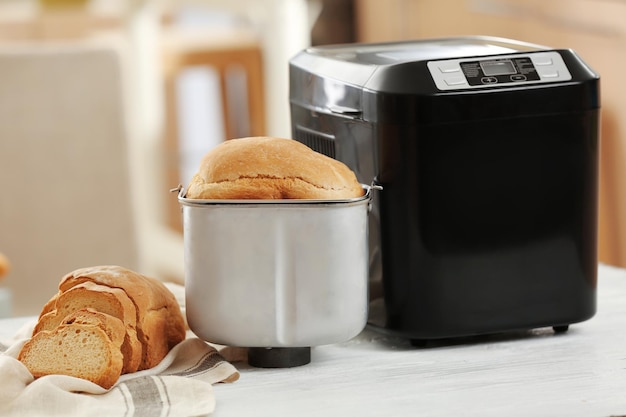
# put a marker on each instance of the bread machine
(485, 153)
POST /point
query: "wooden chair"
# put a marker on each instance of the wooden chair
(235, 56)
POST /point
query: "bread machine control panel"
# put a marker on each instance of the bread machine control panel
(500, 70)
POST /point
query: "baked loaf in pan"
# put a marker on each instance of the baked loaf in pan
(145, 310)
(271, 168)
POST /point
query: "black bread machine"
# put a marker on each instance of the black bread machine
(483, 153)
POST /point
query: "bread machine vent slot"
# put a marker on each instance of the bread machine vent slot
(319, 142)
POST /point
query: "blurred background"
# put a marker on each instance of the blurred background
(106, 105)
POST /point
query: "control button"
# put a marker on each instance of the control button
(549, 74)
(449, 68)
(518, 77)
(489, 80)
(452, 81)
(542, 60)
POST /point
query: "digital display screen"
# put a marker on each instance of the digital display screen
(503, 67)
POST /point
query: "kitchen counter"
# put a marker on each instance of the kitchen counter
(538, 373)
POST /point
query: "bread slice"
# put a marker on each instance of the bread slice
(112, 326)
(111, 301)
(86, 345)
(271, 168)
(160, 324)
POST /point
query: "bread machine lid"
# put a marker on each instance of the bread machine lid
(355, 63)
(423, 50)
(333, 77)
(386, 80)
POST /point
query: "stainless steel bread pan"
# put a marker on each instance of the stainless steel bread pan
(276, 273)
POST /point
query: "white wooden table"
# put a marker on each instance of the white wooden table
(531, 374)
(578, 373)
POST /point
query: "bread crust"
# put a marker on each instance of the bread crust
(86, 345)
(112, 301)
(271, 168)
(50, 305)
(86, 328)
(160, 324)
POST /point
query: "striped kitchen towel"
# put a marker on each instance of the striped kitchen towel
(181, 385)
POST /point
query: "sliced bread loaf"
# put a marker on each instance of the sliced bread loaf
(111, 301)
(160, 324)
(87, 345)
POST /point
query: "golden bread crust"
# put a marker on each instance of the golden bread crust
(87, 345)
(160, 324)
(271, 168)
(112, 301)
(129, 322)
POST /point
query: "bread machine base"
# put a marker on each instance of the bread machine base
(288, 357)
